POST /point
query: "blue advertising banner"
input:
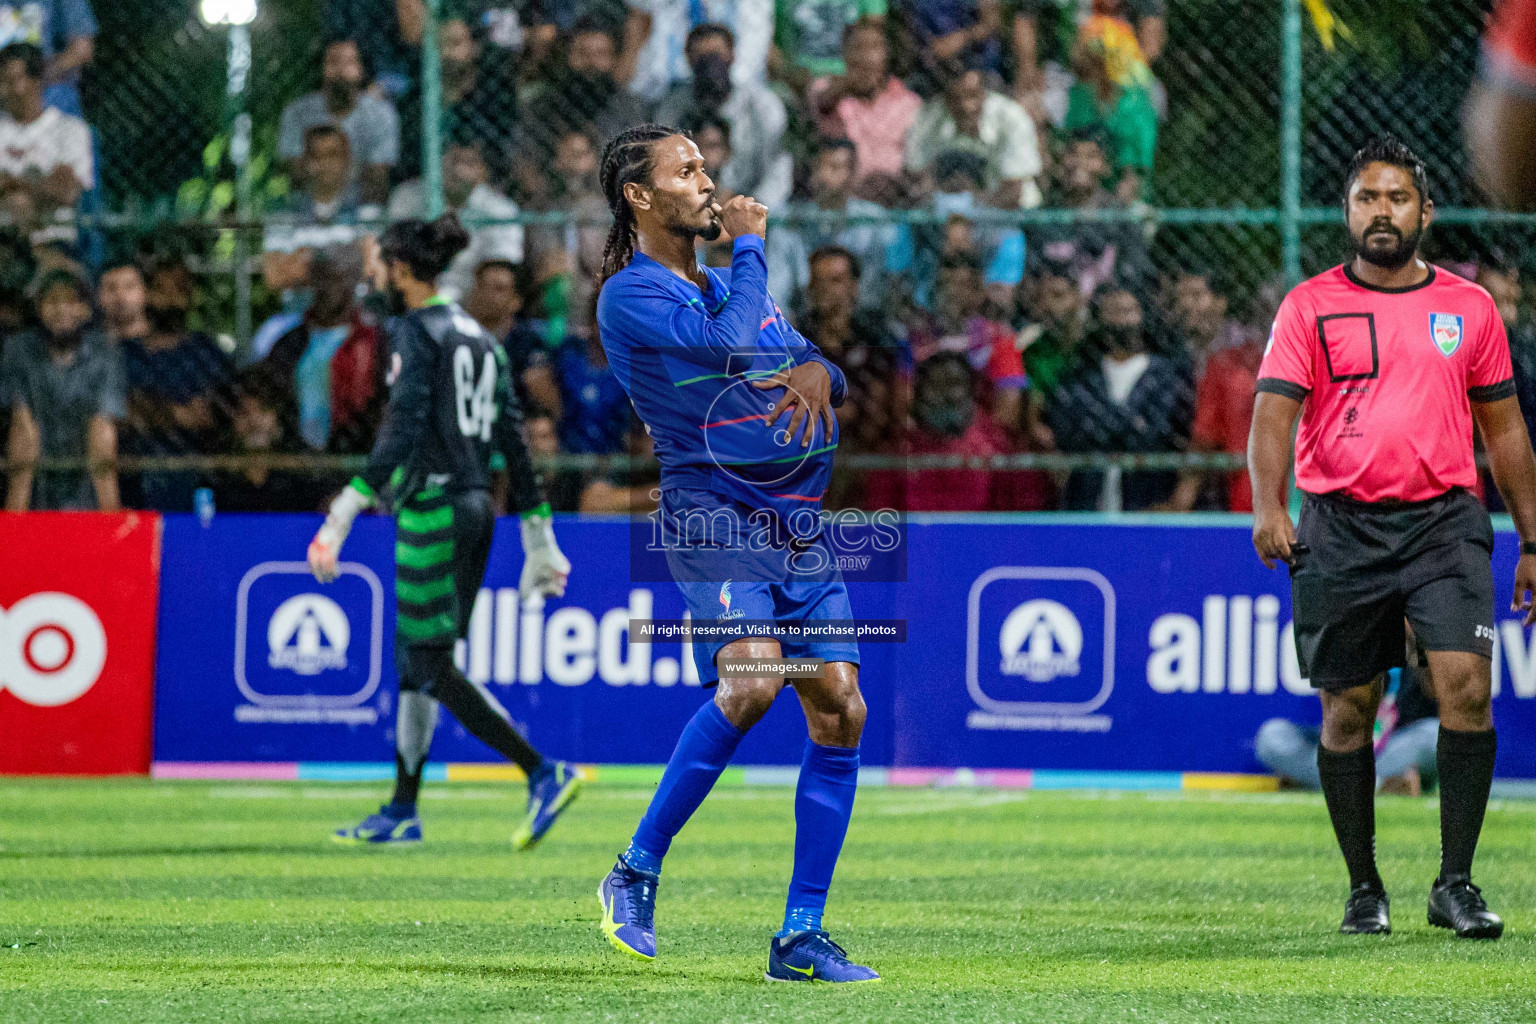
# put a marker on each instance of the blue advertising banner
(1031, 642)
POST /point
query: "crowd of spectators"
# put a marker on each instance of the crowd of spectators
(960, 333)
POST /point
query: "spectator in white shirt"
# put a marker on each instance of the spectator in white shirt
(971, 117)
(369, 121)
(45, 155)
(466, 192)
(760, 167)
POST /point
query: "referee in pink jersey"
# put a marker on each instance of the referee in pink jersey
(1388, 361)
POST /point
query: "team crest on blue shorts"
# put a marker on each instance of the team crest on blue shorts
(1445, 331)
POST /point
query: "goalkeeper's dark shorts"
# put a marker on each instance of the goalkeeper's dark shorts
(442, 543)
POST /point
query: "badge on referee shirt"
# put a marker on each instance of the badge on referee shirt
(1445, 330)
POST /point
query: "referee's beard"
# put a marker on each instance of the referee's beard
(1375, 250)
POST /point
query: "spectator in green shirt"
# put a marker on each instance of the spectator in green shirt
(1125, 113)
(808, 37)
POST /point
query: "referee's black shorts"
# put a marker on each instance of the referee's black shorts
(1371, 565)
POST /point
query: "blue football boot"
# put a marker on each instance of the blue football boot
(550, 791)
(629, 910)
(380, 828)
(812, 956)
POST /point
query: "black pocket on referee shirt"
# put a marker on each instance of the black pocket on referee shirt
(1349, 346)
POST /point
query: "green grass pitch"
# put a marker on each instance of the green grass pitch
(139, 901)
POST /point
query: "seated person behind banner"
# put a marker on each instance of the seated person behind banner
(64, 386)
(178, 390)
(1407, 727)
(947, 420)
(334, 360)
(1120, 398)
(260, 425)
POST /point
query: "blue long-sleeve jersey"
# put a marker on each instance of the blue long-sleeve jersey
(687, 359)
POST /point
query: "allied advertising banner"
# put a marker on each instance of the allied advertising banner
(77, 642)
(1029, 643)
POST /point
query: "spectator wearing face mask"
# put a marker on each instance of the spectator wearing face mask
(1225, 357)
(467, 192)
(959, 197)
(583, 94)
(668, 26)
(947, 420)
(479, 99)
(259, 426)
(64, 386)
(759, 166)
(1125, 401)
(178, 390)
(370, 121)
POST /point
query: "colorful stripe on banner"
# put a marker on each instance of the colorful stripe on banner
(764, 775)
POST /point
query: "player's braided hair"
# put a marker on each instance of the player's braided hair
(627, 158)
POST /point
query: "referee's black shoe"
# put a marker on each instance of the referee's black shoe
(1367, 912)
(1457, 904)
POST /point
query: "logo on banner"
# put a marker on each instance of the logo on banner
(1445, 328)
(52, 649)
(308, 634)
(1041, 640)
(302, 655)
(1054, 631)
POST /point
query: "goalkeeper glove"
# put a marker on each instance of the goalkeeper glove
(325, 549)
(545, 569)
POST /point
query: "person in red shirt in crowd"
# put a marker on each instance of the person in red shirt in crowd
(1501, 112)
(1388, 361)
(960, 324)
(1227, 355)
(947, 420)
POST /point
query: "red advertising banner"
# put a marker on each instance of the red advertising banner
(78, 602)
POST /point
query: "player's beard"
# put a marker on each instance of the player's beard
(394, 301)
(1388, 259)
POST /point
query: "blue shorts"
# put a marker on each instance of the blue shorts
(774, 584)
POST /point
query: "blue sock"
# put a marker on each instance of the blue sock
(399, 812)
(829, 777)
(703, 751)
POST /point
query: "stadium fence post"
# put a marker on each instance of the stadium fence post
(431, 113)
(1290, 141)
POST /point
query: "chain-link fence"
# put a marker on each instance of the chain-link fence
(984, 235)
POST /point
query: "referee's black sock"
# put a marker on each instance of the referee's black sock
(475, 709)
(1349, 787)
(1465, 763)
